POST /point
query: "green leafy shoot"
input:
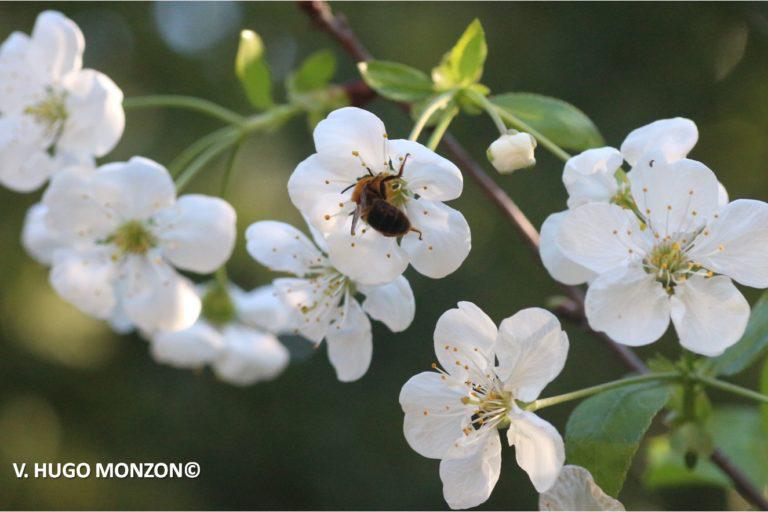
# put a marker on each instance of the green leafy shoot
(462, 66)
(252, 70)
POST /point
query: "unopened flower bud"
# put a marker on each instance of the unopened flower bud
(512, 151)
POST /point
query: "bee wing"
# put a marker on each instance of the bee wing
(362, 205)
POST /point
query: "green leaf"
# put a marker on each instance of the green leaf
(764, 390)
(396, 81)
(604, 432)
(750, 347)
(561, 122)
(315, 73)
(252, 70)
(463, 64)
(736, 430)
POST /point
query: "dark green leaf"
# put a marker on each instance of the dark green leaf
(252, 70)
(750, 347)
(665, 468)
(396, 81)
(315, 73)
(561, 122)
(463, 64)
(604, 432)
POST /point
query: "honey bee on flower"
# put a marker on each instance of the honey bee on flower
(379, 202)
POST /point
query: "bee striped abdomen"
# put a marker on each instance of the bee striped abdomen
(387, 219)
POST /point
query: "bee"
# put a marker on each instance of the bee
(373, 196)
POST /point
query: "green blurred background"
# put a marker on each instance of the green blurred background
(70, 390)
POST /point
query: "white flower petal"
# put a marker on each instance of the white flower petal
(57, 44)
(368, 257)
(676, 197)
(392, 303)
(445, 242)
(263, 309)
(321, 189)
(710, 314)
(311, 310)
(136, 189)
(465, 336)
(434, 414)
(559, 267)
(674, 138)
(590, 176)
(469, 481)
(86, 279)
(538, 446)
(37, 238)
(96, 118)
(736, 243)
(426, 173)
(156, 297)
(249, 356)
(722, 195)
(350, 343)
(531, 349)
(193, 347)
(601, 237)
(25, 164)
(628, 305)
(352, 129)
(283, 248)
(575, 489)
(197, 233)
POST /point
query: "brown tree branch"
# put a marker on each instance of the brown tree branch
(320, 13)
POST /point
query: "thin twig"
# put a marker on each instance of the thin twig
(320, 13)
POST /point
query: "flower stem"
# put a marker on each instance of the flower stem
(229, 169)
(441, 128)
(523, 126)
(593, 390)
(185, 102)
(730, 388)
(482, 102)
(191, 152)
(438, 103)
(204, 158)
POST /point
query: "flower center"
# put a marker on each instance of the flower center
(52, 113)
(218, 308)
(493, 406)
(133, 238)
(669, 263)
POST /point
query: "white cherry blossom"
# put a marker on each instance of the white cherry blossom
(575, 489)
(322, 299)
(352, 145)
(672, 256)
(594, 176)
(121, 233)
(235, 335)
(53, 113)
(454, 414)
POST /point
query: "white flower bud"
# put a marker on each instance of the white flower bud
(512, 151)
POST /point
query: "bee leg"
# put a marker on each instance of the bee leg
(421, 235)
(402, 165)
(349, 187)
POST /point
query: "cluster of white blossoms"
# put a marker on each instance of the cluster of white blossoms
(373, 205)
(455, 413)
(116, 237)
(53, 113)
(660, 242)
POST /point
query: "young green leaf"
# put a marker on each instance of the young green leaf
(315, 73)
(463, 64)
(561, 122)
(396, 81)
(750, 347)
(604, 432)
(252, 70)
